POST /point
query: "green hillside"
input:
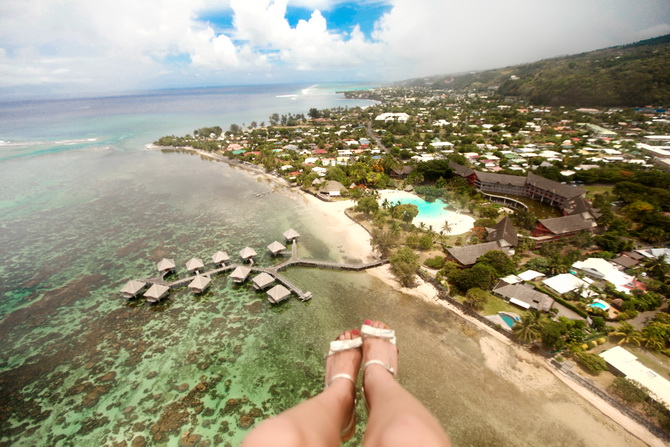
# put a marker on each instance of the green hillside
(629, 75)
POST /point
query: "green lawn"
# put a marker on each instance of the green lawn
(495, 305)
(597, 189)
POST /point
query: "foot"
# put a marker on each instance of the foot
(342, 369)
(380, 355)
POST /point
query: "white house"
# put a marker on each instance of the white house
(399, 117)
(565, 283)
(627, 364)
(605, 270)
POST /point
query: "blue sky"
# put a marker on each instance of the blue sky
(85, 45)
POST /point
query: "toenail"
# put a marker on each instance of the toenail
(368, 322)
(356, 332)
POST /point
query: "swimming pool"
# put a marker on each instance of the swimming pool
(431, 213)
(599, 305)
(509, 320)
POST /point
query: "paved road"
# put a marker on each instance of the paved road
(376, 138)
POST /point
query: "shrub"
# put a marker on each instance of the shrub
(436, 262)
(629, 390)
(594, 363)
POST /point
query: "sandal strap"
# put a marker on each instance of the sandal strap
(386, 334)
(344, 345)
(341, 376)
(379, 362)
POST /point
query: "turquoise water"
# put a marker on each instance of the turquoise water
(599, 306)
(509, 320)
(84, 207)
(427, 210)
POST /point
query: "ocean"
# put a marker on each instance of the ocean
(84, 207)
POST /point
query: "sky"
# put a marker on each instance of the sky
(103, 45)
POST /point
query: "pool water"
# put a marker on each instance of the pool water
(427, 210)
(509, 320)
(599, 306)
(431, 214)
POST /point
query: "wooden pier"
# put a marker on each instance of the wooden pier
(294, 260)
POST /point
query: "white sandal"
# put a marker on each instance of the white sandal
(386, 334)
(337, 346)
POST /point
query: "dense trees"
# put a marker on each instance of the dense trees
(405, 265)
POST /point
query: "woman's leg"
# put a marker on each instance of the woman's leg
(396, 417)
(318, 421)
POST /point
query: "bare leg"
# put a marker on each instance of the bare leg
(396, 417)
(318, 421)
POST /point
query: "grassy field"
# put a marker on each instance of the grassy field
(592, 190)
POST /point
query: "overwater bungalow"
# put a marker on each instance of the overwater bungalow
(200, 283)
(195, 265)
(278, 294)
(291, 235)
(240, 274)
(276, 248)
(132, 288)
(156, 293)
(247, 253)
(262, 281)
(166, 266)
(220, 258)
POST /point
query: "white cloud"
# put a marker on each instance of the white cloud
(126, 43)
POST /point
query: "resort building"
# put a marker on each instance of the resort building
(627, 364)
(333, 188)
(559, 227)
(467, 256)
(504, 233)
(532, 186)
(578, 214)
(602, 269)
(567, 282)
(524, 296)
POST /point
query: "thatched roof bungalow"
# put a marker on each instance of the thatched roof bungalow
(278, 294)
(156, 293)
(166, 266)
(220, 258)
(291, 235)
(276, 248)
(200, 283)
(262, 281)
(132, 288)
(247, 253)
(240, 274)
(194, 265)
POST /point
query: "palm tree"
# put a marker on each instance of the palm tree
(528, 329)
(658, 267)
(627, 333)
(447, 227)
(654, 343)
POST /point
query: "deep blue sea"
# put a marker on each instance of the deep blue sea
(84, 207)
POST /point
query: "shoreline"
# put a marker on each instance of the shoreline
(357, 240)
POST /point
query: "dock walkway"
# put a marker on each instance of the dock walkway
(294, 260)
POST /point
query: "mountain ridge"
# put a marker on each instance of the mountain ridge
(633, 74)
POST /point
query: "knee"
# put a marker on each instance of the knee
(275, 432)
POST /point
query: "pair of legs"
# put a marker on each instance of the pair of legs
(395, 417)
